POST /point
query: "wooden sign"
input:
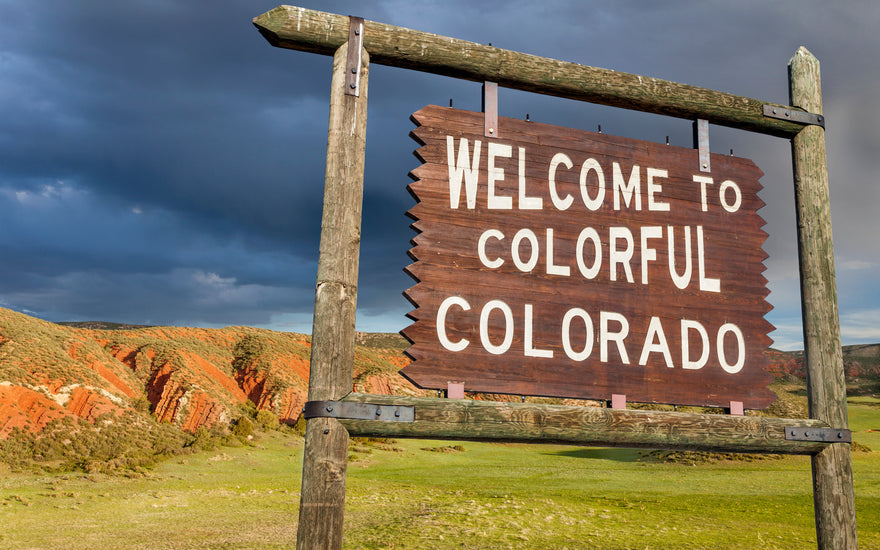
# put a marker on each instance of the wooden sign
(559, 262)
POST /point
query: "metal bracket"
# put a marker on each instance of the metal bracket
(801, 117)
(353, 61)
(490, 109)
(701, 143)
(359, 411)
(828, 435)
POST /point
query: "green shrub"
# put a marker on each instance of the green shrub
(267, 420)
(243, 427)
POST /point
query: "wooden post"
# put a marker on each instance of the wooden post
(832, 468)
(325, 456)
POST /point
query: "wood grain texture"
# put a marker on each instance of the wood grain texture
(464, 419)
(826, 388)
(447, 264)
(325, 456)
(320, 32)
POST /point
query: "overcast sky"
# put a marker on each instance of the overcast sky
(161, 163)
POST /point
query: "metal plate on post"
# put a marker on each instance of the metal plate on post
(353, 61)
(802, 117)
(358, 411)
(829, 435)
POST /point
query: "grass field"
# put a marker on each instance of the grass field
(429, 494)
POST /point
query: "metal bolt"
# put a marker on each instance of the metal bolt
(774, 111)
(354, 70)
(397, 414)
(787, 113)
(705, 165)
(839, 435)
(329, 409)
(353, 85)
(378, 412)
(491, 130)
(793, 433)
(326, 431)
(806, 434)
(357, 32)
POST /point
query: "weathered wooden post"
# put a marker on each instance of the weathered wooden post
(325, 457)
(832, 467)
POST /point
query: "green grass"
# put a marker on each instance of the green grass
(409, 495)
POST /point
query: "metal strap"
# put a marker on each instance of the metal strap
(353, 61)
(701, 143)
(829, 435)
(490, 109)
(801, 117)
(359, 411)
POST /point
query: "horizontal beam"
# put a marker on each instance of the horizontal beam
(320, 32)
(465, 419)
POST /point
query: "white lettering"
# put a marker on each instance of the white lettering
(529, 235)
(703, 181)
(605, 335)
(706, 283)
(591, 234)
(484, 327)
(526, 202)
(529, 349)
(558, 202)
(653, 188)
(686, 362)
(616, 256)
(462, 170)
(441, 323)
(588, 166)
(481, 248)
(741, 348)
(722, 196)
(649, 254)
(566, 334)
(681, 281)
(496, 202)
(553, 269)
(626, 188)
(655, 331)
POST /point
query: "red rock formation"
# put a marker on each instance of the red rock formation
(25, 408)
(89, 405)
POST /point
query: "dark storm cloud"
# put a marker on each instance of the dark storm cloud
(161, 163)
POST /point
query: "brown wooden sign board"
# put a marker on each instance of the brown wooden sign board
(559, 262)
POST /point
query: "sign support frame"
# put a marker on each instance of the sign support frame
(323, 495)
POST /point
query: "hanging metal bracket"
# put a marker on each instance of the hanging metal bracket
(701, 143)
(353, 61)
(490, 109)
(359, 411)
(802, 117)
(828, 435)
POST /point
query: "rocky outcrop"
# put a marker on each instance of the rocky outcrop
(189, 377)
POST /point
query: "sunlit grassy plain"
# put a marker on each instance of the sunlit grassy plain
(404, 496)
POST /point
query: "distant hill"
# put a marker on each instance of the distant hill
(100, 325)
(188, 377)
(194, 378)
(861, 363)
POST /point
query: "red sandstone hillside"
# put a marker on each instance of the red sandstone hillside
(189, 377)
(194, 377)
